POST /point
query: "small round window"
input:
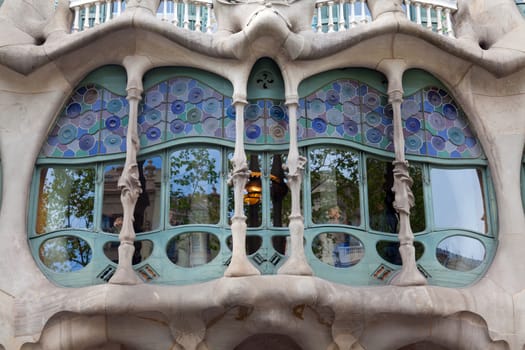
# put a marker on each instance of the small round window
(338, 249)
(65, 253)
(389, 250)
(193, 249)
(460, 253)
(143, 249)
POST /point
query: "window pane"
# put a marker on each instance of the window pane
(195, 186)
(383, 216)
(380, 180)
(66, 199)
(338, 249)
(193, 249)
(147, 209)
(457, 198)
(281, 201)
(112, 207)
(143, 249)
(65, 253)
(253, 192)
(460, 253)
(334, 176)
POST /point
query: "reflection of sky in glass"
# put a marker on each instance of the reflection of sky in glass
(463, 246)
(458, 199)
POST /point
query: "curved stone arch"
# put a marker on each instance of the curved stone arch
(462, 330)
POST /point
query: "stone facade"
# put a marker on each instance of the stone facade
(40, 64)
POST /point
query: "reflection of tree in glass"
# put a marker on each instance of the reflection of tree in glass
(383, 216)
(66, 199)
(65, 254)
(194, 186)
(334, 176)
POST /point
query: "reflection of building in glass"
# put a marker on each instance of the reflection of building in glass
(295, 171)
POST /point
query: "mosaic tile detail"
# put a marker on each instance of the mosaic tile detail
(266, 122)
(350, 110)
(193, 109)
(433, 123)
(92, 122)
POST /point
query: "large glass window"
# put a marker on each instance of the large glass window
(65, 199)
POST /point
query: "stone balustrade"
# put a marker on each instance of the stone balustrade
(329, 16)
(432, 14)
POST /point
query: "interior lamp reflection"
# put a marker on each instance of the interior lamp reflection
(253, 189)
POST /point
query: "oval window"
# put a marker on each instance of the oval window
(193, 249)
(253, 243)
(338, 249)
(460, 253)
(143, 250)
(65, 253)
(389, 250)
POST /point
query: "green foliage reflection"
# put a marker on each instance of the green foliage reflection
(334, 176)
(194, 182)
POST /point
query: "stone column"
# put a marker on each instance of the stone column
(128, 182)
(404, 198)
(296, 263)
(239, 265)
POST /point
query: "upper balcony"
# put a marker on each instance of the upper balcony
(329, 15)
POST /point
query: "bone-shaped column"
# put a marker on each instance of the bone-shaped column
(296, 263)
(239, 265)
(128, 182)
(404, 198)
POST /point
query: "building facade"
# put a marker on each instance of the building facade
(262, 175)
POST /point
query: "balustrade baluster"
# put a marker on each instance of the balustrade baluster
(186, 21)
(341, 25)
(97, 14)
(86, 16)
(198, 24)
(407, 4)
(319, 19)
(363, 13)
(108, 11)
(352, 19)
(448, 21)
(176, 13)
(208, 19)
(418, 12)
(330, 16)
(429, 16)
(165, 10)
(439, 20)
(76, 22)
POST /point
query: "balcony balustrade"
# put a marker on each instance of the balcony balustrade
(329, 16)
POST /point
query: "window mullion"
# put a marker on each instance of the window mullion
(99, 197)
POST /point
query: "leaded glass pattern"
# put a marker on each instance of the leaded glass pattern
(435, 126)
(348, 109)
(93, 122)
(433, 123)
(266, 121)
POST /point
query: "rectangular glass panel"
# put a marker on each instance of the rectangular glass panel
(380, 180)
(195, 186)
(111, 205)
(280, 204)
(253, 192)
(458, 200)
(147, 209)
(334, 178)
(66, 199)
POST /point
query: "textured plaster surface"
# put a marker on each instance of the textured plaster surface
(40, 63)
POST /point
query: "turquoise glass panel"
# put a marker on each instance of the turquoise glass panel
(338, 249)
